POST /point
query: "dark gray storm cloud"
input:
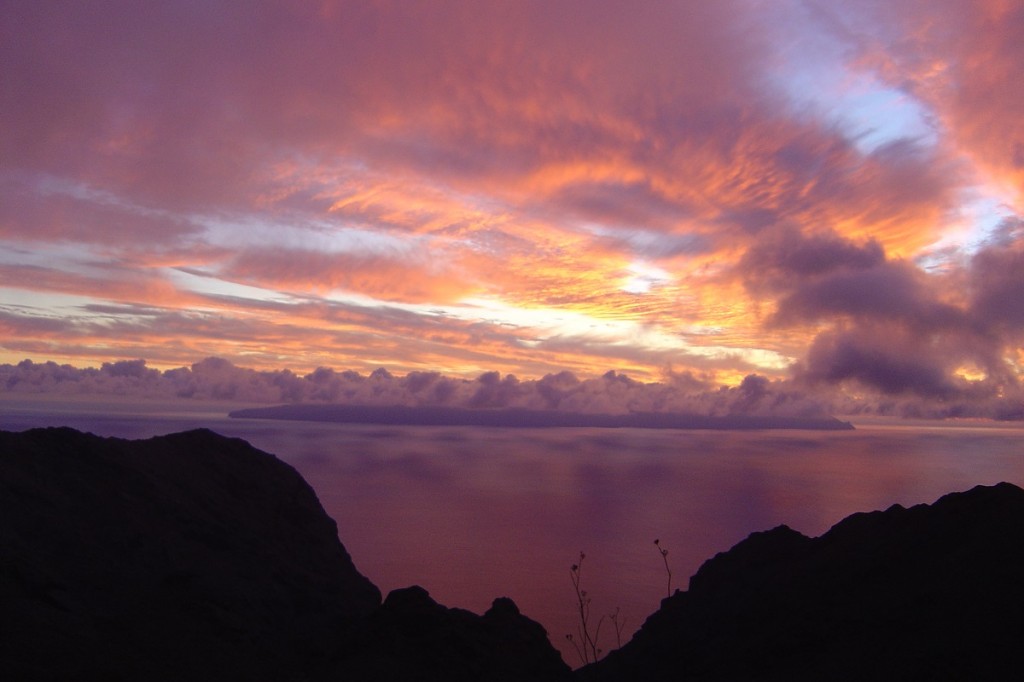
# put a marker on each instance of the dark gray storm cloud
(898, 337)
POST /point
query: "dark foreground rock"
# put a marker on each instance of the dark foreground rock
(197, 557)
(927, 593)
(413, 638)
(190, 556)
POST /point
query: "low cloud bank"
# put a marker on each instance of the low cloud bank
(611, 394)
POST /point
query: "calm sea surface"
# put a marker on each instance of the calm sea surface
(476, 513)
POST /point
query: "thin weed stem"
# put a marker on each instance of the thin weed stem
(664, 557)
(586, 647)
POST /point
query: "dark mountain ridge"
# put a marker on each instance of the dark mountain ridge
(933, 592)
(184, 556)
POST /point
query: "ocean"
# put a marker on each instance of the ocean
(474, 513)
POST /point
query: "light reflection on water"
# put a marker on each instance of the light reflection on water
(476, 513)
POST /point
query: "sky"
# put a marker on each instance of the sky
(773, 203)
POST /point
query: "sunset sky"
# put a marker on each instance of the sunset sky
(824, 193)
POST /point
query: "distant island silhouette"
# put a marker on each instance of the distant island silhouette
(404, 415)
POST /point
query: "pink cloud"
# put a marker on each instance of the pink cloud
(534, 154)
(960, 57)
(387, 278)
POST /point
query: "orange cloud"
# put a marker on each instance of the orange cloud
(387, 278)
(962, 58)
(511, 185)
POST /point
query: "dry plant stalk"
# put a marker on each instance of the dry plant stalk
(664, 557)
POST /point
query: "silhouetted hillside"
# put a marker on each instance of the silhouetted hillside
(198, 557)
(927, 593)
(413, 638)
(190, 556)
